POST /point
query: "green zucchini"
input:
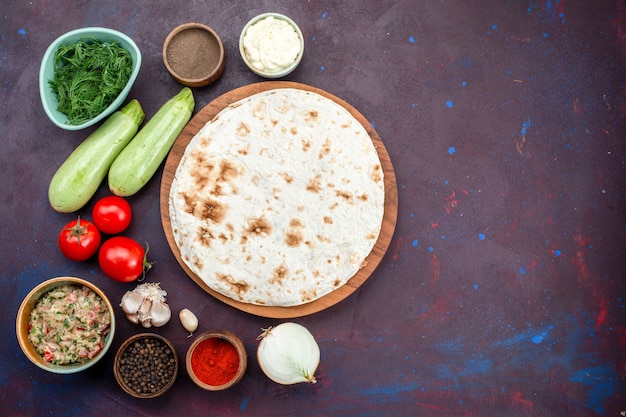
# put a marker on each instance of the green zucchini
(79, 177)
(139, 161)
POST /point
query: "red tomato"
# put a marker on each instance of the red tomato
(79, 240)
(123, 259)
(112, 214)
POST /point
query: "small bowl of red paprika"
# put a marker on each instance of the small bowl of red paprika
(216, 360)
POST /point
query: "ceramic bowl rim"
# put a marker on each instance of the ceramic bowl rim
(278, 74)
(22, 320)
(46, 71)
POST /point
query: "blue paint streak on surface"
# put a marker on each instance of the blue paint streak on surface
(478, 366)
(244, 404)
(415, 242)
(390, 393)
(411, 39)
(603, 385)
(449, 103)
(451, 150)
(324, 15)
(481, 236)
(22, 31)
(525, 125)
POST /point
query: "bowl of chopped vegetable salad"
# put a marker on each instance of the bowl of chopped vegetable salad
(86, 74)
(65, 325)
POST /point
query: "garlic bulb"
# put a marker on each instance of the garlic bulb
(188, 320)
(146, 305)
(288, 354)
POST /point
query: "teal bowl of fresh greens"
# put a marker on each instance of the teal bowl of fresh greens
(86, 75)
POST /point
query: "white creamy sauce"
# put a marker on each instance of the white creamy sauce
(271, 44)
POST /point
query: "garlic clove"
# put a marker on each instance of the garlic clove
(146, 323)
(131, 301)
(133, 318)
(188, 320)
(160, 314)
(143, 313)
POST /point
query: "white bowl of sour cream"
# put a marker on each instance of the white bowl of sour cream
(271, 45)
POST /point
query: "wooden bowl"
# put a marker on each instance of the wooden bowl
(22, 325)
(219, 336)
(138, 342)
(194, 54)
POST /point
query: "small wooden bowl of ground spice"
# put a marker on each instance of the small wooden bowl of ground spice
(216, 360)
(194, 54)
(146, 365)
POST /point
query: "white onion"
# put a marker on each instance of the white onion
(288, 354)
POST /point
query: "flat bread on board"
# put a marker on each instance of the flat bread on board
(279, 199)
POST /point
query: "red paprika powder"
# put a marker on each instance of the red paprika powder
(215, 361)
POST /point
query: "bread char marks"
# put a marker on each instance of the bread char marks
(377, 174)
(294, 236)
(279, 275)
(210, 179)
(211, 176)
(236, 287)
(325, 149)
(256, 228)
(204, 208)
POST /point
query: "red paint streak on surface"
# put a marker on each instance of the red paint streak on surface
(581, 240)
(576, 106)
(399, 248)
(430, 406)
(579, 262)
(602, 314)
(451, 202)
(435, 269)
(532, 265)
(436, 312)
(518, 398)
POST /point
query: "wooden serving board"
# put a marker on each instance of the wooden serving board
(371, 262)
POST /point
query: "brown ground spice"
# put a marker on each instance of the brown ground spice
(193, 53)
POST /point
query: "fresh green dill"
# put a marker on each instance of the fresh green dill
(88, 76)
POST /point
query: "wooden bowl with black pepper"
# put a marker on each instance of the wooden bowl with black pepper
(216, 360)
(146, 365)
(194, 54)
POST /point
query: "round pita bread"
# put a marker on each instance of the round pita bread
(279, 199)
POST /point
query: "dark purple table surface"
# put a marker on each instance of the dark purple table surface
(502, 292)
